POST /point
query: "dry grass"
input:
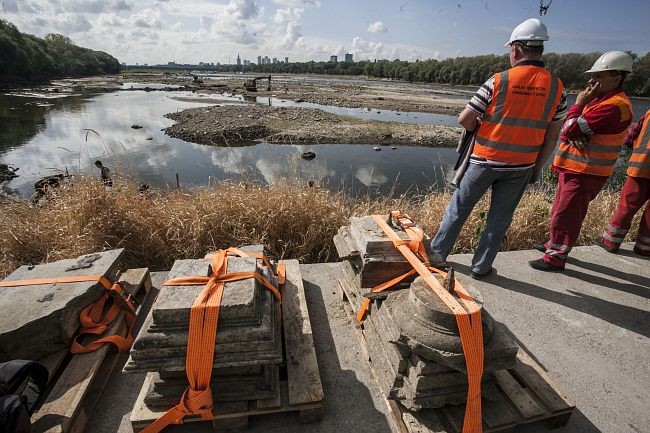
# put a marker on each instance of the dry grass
(293, 221)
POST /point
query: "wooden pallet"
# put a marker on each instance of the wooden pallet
(526, 394)
(301, 392)
(77, 381)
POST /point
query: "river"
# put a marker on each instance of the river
(47, 134)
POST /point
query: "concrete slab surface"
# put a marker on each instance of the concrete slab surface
(588, 327)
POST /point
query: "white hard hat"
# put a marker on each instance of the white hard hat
(613, 61)
(532, 32)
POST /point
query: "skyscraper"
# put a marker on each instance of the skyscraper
(238, 60)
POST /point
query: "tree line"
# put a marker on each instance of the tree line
(473, 70)
(26, 57)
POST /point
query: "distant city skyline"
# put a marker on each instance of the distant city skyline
(212, 31)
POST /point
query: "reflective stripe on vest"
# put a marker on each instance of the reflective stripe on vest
(513, 128)
(639, 165)
(600, 153)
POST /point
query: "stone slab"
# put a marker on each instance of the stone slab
(265, 385)
(238, 304)
(39, 320)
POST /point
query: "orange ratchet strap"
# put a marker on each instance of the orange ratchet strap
(204, 317)
(280, 269)
(93, 319)
(465, 309)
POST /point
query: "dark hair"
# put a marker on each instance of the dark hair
(98, 162)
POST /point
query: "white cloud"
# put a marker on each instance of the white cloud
(147, 18)
(242, 9)
(95, 6)
(298, 3)
(377, 27)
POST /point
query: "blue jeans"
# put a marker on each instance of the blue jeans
(507, 189)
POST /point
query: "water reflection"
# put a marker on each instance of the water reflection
(44, 136)
(413, 117)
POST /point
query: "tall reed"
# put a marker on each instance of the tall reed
(292, 219)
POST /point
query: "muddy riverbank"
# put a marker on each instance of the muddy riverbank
(351, 93)
(234, 124)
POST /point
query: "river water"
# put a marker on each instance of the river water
(47, 134)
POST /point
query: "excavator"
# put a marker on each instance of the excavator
(251, 85)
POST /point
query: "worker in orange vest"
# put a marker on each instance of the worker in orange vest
(518, 114)
(635, 193)
(591, 140)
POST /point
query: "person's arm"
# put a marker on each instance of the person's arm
(550, 139)
(468, 119)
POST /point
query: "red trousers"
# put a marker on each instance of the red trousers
(635, 193)
(574, 193)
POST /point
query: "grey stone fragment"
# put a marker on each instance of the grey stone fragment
(428, 328)
(249, 330)
(263, 385)
(237, 305)
(42, 319)
(371, 252)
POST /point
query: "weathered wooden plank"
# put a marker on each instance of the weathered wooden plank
(541, 384)
(67, 405)
(303, 375)
(497, 416)
(522, 401)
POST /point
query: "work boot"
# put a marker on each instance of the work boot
(599, 241)
(477, 276)
(436, 260)
(541, 265)
(539, 246)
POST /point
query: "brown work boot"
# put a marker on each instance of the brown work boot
(436, 260)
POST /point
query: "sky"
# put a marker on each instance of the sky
(216, 31)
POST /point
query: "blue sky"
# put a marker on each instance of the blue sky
(189, 31)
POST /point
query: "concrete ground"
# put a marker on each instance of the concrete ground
(588, 327)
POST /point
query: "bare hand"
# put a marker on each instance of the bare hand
(588, 95)
(579, 142)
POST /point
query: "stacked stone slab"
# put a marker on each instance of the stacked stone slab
(40, 320)
(248, 347)
(412, 336)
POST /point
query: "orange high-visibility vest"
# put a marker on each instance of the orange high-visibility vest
(599, 154)
(639, 165)
(524, 101)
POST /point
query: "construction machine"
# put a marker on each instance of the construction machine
(251, 85)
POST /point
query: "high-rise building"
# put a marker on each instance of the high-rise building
(238, 60)
(259, 60)
(333, 59)
(266, 60)
(286, 60)
(348, 57)
(275, 60)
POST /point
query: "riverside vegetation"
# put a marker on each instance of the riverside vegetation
(292, 219)
(27, 58)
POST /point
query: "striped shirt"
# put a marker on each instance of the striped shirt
(483, 98)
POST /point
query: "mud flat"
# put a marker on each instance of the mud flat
(236, 124)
